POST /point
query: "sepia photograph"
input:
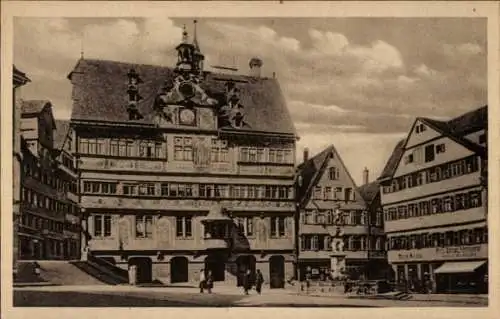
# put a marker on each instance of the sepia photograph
(195, 161)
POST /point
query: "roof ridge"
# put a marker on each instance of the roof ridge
(247, 76)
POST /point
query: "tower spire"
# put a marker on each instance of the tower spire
(195, 39)
(184, 34)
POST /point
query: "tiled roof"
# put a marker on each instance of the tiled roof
(393, 160)
(100, 94)
(60, 134)
(369, 191)
(455, 129)
(469, 122)
(33, 106)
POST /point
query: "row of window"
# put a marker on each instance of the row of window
(348, 243)
(334, 193)
(48, 178)
(354, 217)
(184, 229)
(445, 204)
(190, 190)
(266, 155)
(35, 199)
(39, 223)
(428, 154)
(183, 150)
(434, 174)
(445, 239)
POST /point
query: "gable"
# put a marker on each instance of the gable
(435, 152)
(334, 182)
(420, 133)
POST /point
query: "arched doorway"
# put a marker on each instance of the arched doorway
(144, 269)
(217, 265)
(277, 271)
(179, 269)
(243, 263)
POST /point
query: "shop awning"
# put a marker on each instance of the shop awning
(459, 267)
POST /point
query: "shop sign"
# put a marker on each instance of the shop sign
(459, 251)
(409, 255)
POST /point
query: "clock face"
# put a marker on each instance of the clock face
(187, 117)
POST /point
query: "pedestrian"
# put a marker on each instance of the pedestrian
(308, 281)
(210, 282)
(246, 281)
(259, 280)
(202, 280)
(132, 275)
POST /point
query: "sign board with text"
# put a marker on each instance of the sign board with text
(439, 253)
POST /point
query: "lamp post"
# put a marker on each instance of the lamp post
(83, 233)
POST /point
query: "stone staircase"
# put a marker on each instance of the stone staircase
(52, 272)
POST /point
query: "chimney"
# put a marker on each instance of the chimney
(306, 154)
(255, 66)
(366, 176)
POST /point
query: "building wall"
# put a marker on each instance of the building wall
(452, 227)
(50, 220)
(316, 223)
(258, 191)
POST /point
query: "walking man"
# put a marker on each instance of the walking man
(210, 282)
(202, 280)
(246, 281)
(259, 280)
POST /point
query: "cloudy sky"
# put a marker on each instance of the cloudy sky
(357, 83)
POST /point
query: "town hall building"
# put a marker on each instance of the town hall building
(184, 170)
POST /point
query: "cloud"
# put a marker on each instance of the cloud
(347, 85)
(463, 49)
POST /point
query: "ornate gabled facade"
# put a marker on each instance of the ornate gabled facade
(435, 205)
(333, 220)
(48, 189)
(183, 169)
